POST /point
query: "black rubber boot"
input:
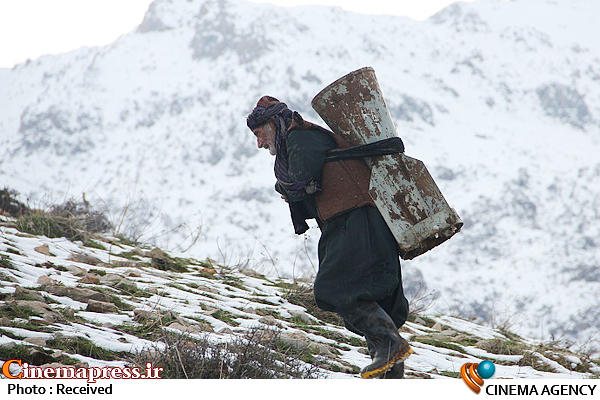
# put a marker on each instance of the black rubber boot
(396, 372)
(386, 346)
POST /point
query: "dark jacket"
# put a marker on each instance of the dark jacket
(344, 184)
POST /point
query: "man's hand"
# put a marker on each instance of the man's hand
(285, 198)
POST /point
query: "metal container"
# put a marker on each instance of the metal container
(403, 190)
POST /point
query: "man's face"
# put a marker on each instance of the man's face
(265, 137)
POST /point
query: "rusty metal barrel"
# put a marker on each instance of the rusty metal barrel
(403, 190)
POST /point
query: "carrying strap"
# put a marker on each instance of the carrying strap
(380, 148)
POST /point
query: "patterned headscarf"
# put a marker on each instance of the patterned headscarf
(266, 109)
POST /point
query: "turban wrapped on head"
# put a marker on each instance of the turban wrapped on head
(266, 108)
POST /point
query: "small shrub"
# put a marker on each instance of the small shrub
(29, 354)
(234, 282)
(559, 355)
(11, 335)
(3, 276)
(166, 263)
(151, 328)
(226, 317)
(84, 347)
(130, 255)
(72, 220)
(254, 356)
(33, 325)
(451, 374)
(510, 335)
(11, 311)
(5, 262)
(530, 359)
(503, 346)
(13, 251)
(95, 245)
(131, 289)
(420, 301)
(90, 220)
(465, 340)
(10, 205)
(44, 224)
(584, 366)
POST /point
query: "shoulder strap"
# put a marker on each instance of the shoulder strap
(380, 148)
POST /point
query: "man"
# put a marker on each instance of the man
(359, 268)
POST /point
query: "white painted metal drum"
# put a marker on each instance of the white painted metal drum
(403, 190)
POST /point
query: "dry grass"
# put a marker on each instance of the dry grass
(257, 355)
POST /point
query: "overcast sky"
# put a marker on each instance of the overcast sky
(32, 28)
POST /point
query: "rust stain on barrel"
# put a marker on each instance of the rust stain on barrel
(402, 188)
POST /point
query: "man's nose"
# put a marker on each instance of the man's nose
(259, 142)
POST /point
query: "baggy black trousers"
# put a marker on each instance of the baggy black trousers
(358, 260)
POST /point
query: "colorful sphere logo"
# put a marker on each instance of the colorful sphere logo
(474, 374)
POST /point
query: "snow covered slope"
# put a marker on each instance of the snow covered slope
(106, 303)
(501, 100)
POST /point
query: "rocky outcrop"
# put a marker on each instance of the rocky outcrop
(565, 104)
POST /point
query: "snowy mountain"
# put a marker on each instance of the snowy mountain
(501, 100)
